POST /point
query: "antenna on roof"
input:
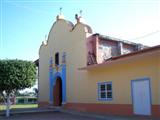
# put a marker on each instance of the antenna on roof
(60, 10)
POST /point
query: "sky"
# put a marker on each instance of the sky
(25, 23)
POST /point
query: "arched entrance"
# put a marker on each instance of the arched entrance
(57, 92)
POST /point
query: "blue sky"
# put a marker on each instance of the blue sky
(24, 23)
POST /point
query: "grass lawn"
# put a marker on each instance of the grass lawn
(3, 107)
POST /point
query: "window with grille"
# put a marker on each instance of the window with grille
(105, 91)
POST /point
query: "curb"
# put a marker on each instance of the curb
(23, 111)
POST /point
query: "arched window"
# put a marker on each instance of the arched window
(57, 58)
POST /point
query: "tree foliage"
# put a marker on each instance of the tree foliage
(16, 75)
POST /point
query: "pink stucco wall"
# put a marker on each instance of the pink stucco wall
(99, 50)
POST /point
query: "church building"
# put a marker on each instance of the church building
(90, 72)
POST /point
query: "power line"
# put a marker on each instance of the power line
(147, 35)
(27, 8)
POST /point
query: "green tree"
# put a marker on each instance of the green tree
(15, 75)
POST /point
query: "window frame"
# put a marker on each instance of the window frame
(106, 91)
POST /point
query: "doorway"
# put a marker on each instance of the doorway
(57, 92)
(141, 97)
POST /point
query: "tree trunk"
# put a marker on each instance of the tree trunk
(8, 106)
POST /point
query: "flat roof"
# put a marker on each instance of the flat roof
(105, 37)
(122, 57)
